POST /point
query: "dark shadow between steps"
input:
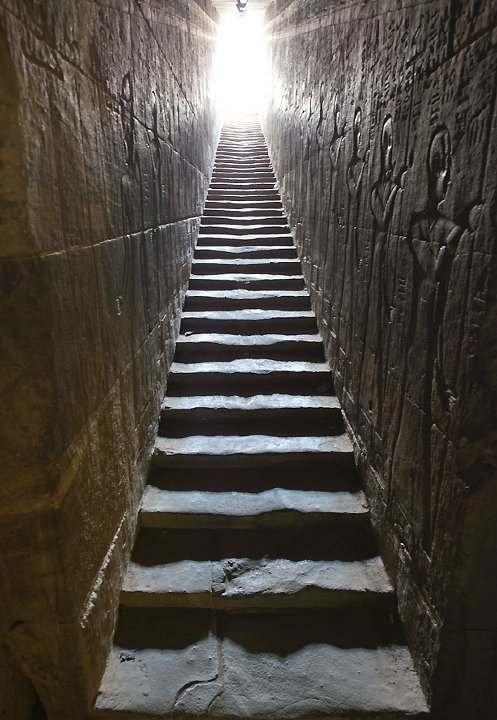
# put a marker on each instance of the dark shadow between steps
(156, 546)
(281, 634)
(342, 477)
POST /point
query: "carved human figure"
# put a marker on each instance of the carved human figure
(355, 172)
(354, 178)
(383, 195)
(433, 239)
(334, 152)
(336, 138)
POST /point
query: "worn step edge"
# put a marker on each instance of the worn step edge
(276, 508)
(250, 314)
(246, 239)
(240, 583)
(318, 681)
(245, 252)
(254, 402)
(246, 277)
(250, 367)
(223, 446)
(227, 262)
(247, 294)
(236, 340)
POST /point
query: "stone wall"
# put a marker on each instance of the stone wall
(382, 131)
(107, 139)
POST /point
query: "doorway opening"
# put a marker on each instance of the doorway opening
(242, 67)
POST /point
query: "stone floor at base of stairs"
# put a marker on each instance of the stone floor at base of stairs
(343, 664)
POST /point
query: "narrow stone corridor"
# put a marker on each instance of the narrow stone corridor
(255, 587)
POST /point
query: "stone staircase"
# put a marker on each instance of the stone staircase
(255, 589)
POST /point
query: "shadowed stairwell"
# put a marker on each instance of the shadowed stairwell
(255, 587)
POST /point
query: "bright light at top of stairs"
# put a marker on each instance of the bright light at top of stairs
(241, 65)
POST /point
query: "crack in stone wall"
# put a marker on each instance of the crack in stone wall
(381, 129)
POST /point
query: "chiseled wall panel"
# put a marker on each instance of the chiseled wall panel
(108, 132)
(382, 131)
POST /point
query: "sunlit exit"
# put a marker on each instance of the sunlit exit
(242, 67)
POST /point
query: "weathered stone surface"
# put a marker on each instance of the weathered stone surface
(242, 584)
(381, 128)
(223, 445)
(276, 507)
(105, 158)
(257, 367)
(133, 684)
(256, 402)
(258, 667)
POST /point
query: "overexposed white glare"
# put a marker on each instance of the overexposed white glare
(242, 68)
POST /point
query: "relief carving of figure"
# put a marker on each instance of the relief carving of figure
(355, 172)
(354, 178)
(433, 240)
(334, 152)
(336, 138)
(382, 201)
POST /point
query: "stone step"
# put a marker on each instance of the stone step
(251, 179)
(227, 164)
(244, 204)
(163, 546)
(250, 173)
(206, 252)
(214, 347)
(346, 663)
(270, 266)
(252, 281)
(305, 453)
(243, 212)
(253, 148)
(243, 195)
(239, 583)
(243, 147)
(275, 508)
(270, 240)
(249, 322)
(265, 414)
(249, 377)
(237, 185)
(342, 477)
(245, 192)
(241, 221)
(253, 229)
(238, 299)
(242, 161)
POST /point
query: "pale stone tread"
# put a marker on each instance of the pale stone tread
(231, 339)
(257, 671)
(256, 583)
(252, 445)
(250, 366)
(246, 314)
(255, 402)
(278, 507)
